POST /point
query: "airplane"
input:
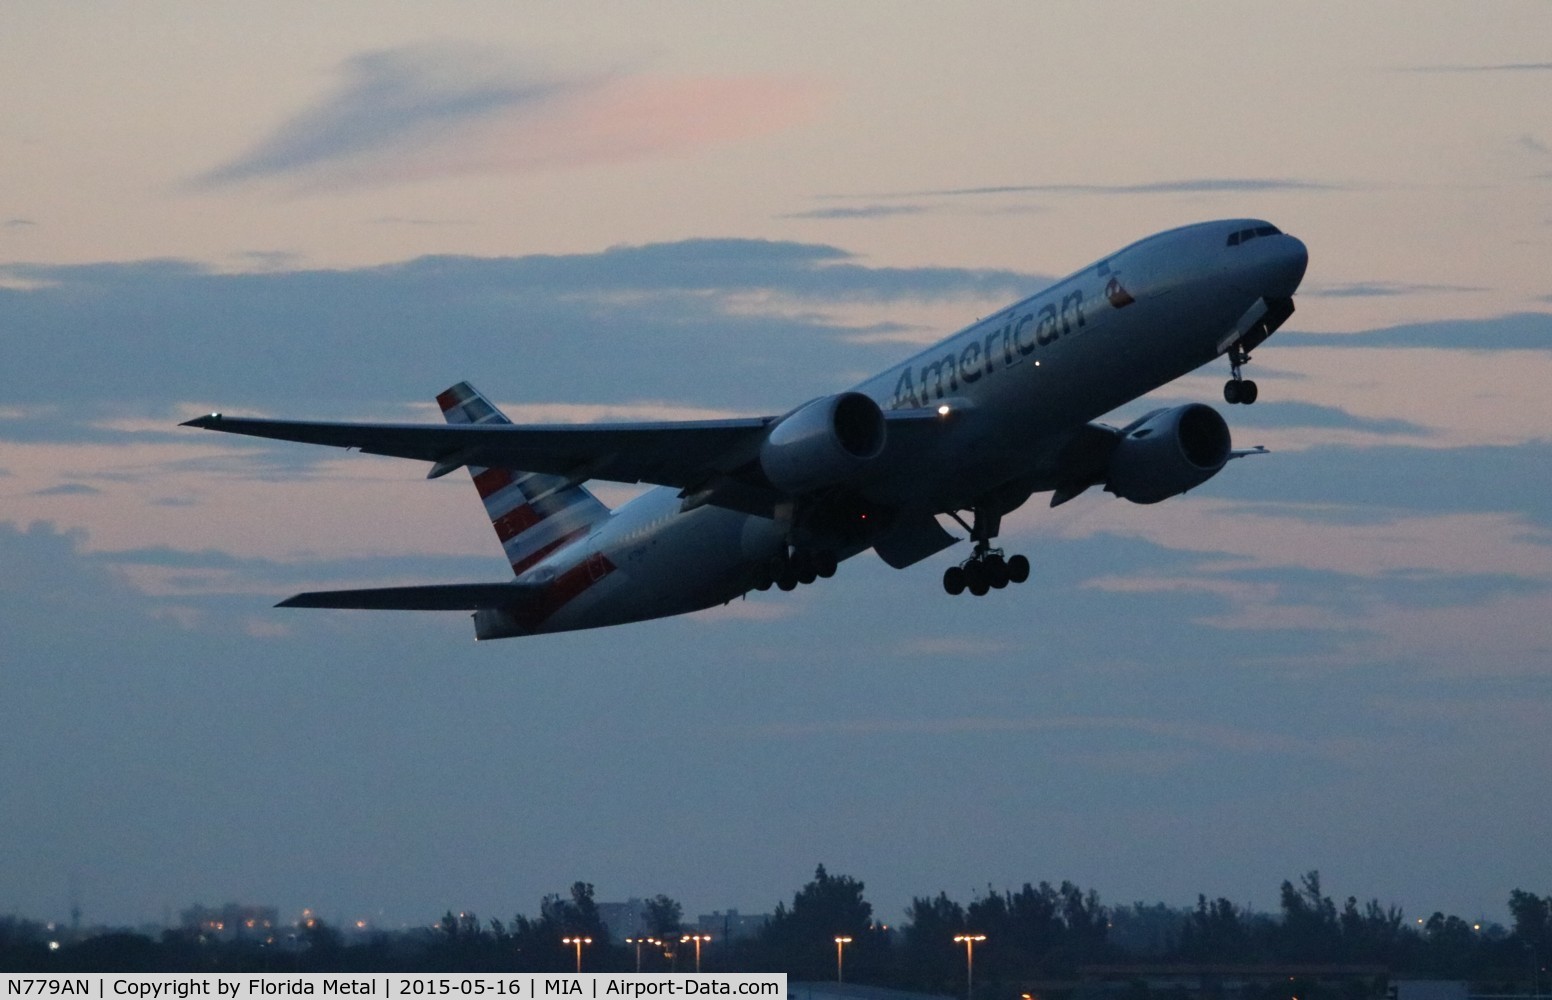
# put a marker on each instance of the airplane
(976, 425)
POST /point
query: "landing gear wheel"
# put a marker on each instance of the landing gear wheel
(788, 580)
(825, 564)
(1018, 569)
(954, 580)
(803, 568)
(1238, 389)
(975, 578)
(997, 572)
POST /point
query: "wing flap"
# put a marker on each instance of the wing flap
(429, 597)
(911, 540)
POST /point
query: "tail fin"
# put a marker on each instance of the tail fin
(534, 514)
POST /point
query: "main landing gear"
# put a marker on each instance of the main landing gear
(986, 569)
(789, 568)
(1239, 389)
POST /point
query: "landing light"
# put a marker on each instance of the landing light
(943, 410)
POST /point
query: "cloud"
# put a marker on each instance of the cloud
(68, 490)
(955, 646)
(1383, 289)
(1219, 738)
(1531, 144)
(440, 110)
(1198, 185)
(1515, 479)
(858, 212)
(17, 223)
(267, 260)
(153, 333)
(1530, 67)
(1511, 332)
(1279, 414)
(401, 220)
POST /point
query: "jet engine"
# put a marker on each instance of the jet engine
(823, 442)
(1168, 452)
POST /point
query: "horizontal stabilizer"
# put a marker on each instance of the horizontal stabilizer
(431, 597)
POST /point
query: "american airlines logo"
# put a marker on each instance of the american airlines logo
(979, 354)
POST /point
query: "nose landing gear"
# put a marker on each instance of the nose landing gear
(1239, 389)
(987, 569)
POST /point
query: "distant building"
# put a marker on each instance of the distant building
(623, 920)
(232, 921)
(732, 925)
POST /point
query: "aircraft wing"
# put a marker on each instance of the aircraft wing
(687, 455)
(679, 454)
(429, 597)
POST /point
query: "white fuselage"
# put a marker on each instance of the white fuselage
(1022, 378)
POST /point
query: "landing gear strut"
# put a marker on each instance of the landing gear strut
(1239, 389)
(986, 569)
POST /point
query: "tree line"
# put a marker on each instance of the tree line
(1039, 933)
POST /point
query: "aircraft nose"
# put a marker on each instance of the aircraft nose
(1287, 267)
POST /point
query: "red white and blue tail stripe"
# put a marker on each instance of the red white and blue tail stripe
(533, 513)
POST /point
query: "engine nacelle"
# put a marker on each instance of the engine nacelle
(823, 442)
(1168, 452)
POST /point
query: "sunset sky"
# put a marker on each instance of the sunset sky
(1338, 657)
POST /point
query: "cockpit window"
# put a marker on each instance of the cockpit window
(1246, 235)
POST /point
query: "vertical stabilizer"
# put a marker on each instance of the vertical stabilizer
(533, 514)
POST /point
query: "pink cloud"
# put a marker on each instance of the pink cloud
(613, 121)
(442, 111)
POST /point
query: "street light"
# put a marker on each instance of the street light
(578, 942)
(840, 942)
(697, 938)
(969, 941)
(638, 942)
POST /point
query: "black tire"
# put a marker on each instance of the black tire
(788, 580)
(1248, 392)
(954, 581)
(1018, 569)
(997, 573)
(825, 564)
(975, 577)
(1231, 391)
